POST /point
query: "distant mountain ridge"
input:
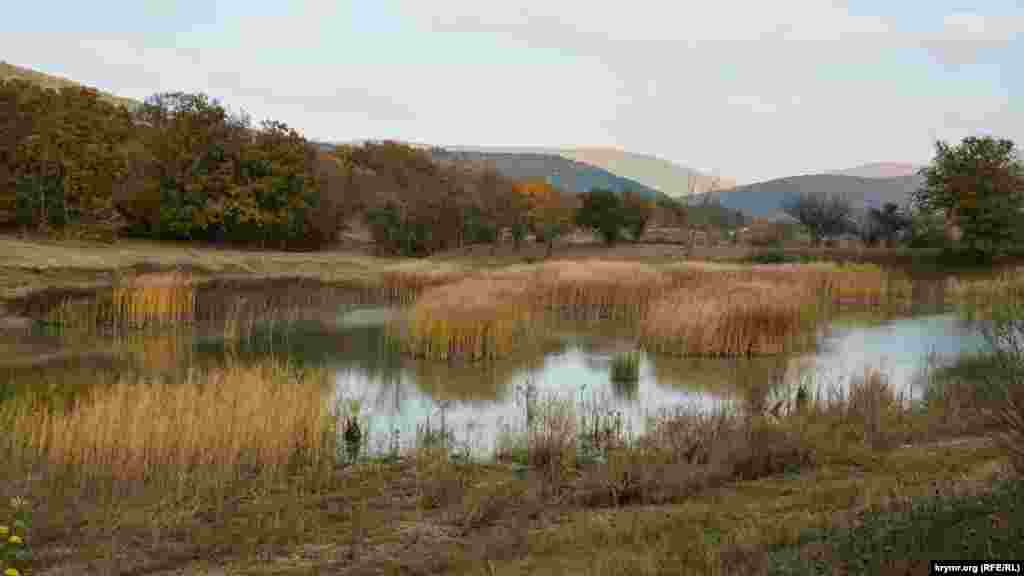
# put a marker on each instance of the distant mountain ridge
(569, 175)
(879, 170)
(651, 171)
(765, 199)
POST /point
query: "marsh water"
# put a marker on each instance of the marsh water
(398, 397)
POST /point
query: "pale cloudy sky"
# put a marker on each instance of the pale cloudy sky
(750, 89)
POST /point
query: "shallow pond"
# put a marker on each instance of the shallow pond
(398, 397)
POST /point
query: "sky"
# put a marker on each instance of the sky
(750, 90)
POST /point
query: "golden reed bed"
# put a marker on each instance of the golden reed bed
(734, 311)
(227, 421)
(727, 319)
(145, 300)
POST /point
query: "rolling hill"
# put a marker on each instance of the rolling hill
(651, 171)
(880, 170)
(765, 199)
(10, 71)
(671, 178)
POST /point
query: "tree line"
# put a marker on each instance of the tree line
(182, 167)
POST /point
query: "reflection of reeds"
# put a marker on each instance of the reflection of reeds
(141, 301)
(219, 424)
(731, 319)
(483, 381)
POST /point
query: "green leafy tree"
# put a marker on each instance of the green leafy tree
(979, 186)
(637, 213)
(601, 211)
(823, 216)
(889, 221)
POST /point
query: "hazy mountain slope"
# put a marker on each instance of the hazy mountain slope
(765, 199)
(879, 170)
(651, 171)
(8, 71)
(570, 175)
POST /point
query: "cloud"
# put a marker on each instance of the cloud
(965, 36)
(647, 21)
(752, 89)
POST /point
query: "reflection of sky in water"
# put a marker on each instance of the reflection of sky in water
(397, 403)
(899, 348)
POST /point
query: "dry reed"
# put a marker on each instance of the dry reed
(731, 319)
(985, 291)
(403, 286)
(216, 425)
(867, 414)
(615, 289)
(473, 319)
(683, 310)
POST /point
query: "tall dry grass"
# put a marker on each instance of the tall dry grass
(612, 289)
(473, 319)
(867, 413)
(684, 310)
(984, 292)
(727, 319)
(214, 427)
(404, 285)
(867, 285)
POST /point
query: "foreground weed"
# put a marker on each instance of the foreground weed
(15, 554)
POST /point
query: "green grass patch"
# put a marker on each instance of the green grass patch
(978, 526)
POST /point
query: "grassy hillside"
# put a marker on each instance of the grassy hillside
(10, 71)
(765, 199)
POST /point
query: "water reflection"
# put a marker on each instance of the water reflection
(397, 395)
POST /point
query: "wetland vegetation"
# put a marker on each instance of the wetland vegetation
(515, 418)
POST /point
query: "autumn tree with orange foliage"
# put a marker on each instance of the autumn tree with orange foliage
(549, 211)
